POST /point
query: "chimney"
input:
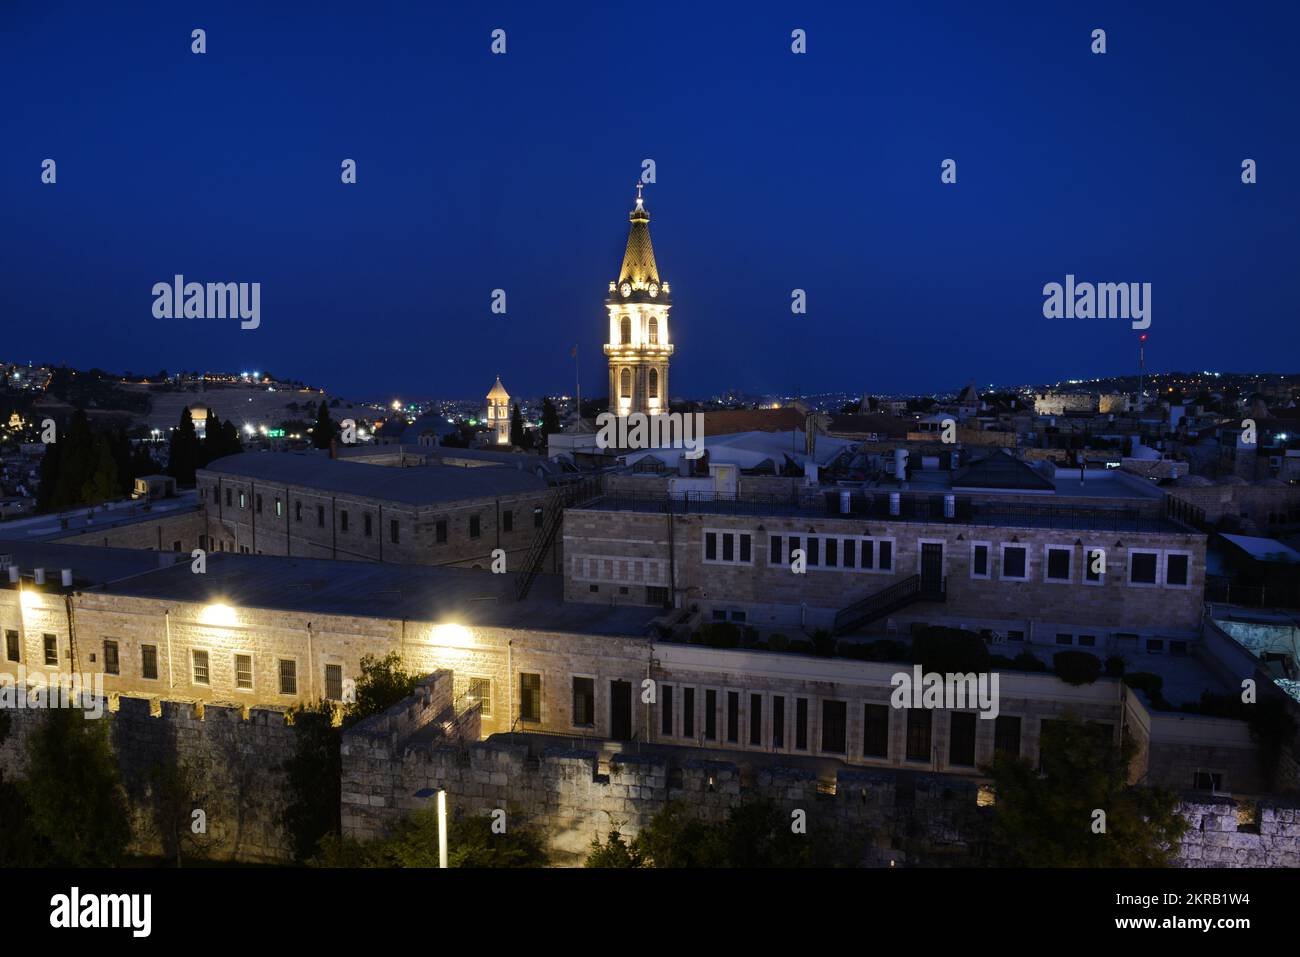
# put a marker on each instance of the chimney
(67, 577)
(14, 574)
(38, 576)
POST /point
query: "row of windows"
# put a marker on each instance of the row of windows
(625, 330)
(201, 671)
(1151, 567)
(625, 383)
(846, 552)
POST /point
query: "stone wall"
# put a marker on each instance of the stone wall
(159, 534)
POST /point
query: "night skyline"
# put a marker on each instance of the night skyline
(774, 172)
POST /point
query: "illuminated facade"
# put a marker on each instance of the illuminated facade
(498, 413)
(639, 346)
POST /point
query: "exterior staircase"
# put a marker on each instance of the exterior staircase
(561, 497)
(888, 600)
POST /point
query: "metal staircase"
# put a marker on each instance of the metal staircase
(887, 600)
(562, 497)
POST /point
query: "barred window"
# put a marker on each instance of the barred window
(11, 644)
(199, 660)
(530, 697)
(288, 676)
(480, 689)
(110, 657)
(334, 682)
(51, 649)
(149, 662)
(244, 672)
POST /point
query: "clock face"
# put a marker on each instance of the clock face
(626, 289)
(654, 289)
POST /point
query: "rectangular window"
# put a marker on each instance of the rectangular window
(745, 548)
(875, 731)
(1014, 635)
(1142, 567)
(814, 552)
(778, 721)
(1014, 562)
(756, 719)
(656, 595)
(229, 497)
(1176, 569)
(149, 662)
(394, 533)
(367, 525)
(850, 553)
(288, 676)
(666, 708)
(688, 712)
(584, 703)
(480, 690)
(868, 554)
(474, 526)
(244, 672)
(1058, 564)
(979, 560)
(886, 556)
(537, 517)
(1094, 566)
(199, 662)
(728, 548)
(710, 546)
(733, 716)
(343, 520)
(530, 697)
(51, 649)
(710, 715)
(334, 682)
(110, 658)
(1064, 639)
(507, 521)
(1155, 646)
(961, 739)
(801, 724)
(774, 550)
(297, 511)
(834, 726)
(794, 545)
(919, 722)
(440, 531)
(832, 553)
(1006, 735)
(320, 516)
(1088, 641)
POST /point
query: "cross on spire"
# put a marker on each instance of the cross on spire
(639, 186)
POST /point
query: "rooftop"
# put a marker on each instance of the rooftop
(86, 518)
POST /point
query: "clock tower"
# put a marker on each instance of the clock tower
(638, 346)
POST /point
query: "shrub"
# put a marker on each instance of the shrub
(720, 634)
(1028, 661)
(950, 651)
(802, 646)
(824, 642)
(778, 642)
(885, 649)
(1077, 667)
(1150, 685)
(1115, 667)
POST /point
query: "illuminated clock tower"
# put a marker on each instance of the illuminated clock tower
(638, 346)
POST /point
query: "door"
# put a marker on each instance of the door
(931, 567)
(620, 710)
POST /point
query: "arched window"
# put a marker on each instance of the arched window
(625, 331)
(625, 384)
(654, 381)
(653, 331)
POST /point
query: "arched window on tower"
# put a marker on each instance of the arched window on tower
(652, 331)
(625, 384)
(654, 381)
(625, 331)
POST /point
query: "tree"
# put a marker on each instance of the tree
(383, 683)
(615, 853)
(550, 418)
(73, 791)
(1050, 819)
(324, 431)
(183, 458)
(472, 841)
(314, 778)
(516, 426)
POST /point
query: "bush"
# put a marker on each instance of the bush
(1150, 685)
(720, 634)
(1028, 661)
(778, 642)
(1115, 667)
(802, 646)
(1077, 667)
(949, 651)
(824, 643)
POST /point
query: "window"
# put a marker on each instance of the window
(111, 666)
(886, 555)
(666, 711)
(149, 662)
(343, 520)
(738, 616)
(1094, 566)
(1207, 780)
(961, 739)
(297, 511)
(733, 716)
(474, 527)
(625, 384)
(1176, 567)
(745, 557)
(258, 501)
(778, 721)
(320, 516)
(1006, 735)
(979, 560)
(334, 682)
(868, 555)
(710, 715)
(394, 534)
(176, 545)
(653, 384)
(1058, 564)
(199, 667)
(1064, 639)
(730, 548)
(1155, 646)
(244, 672)
(801, 724)
(756, 719)
(656, 595)
(832, 552)
(440, 531)
(1088, 641)
(919, 722)
(584, 702)
(625, 330)
(1015, 562)
(814, 552)
(1142, 567)
(288, 676)
(229, 498)
(51, 649)
(834, 726)
(875, 731)
(530, 697)
(652, 336)
(537, 516)
(507, 521)
(710, 546)
(367, 525)
(279, 507)
(480, 689)
(688, 712)
(850, 553)
(1015, 635)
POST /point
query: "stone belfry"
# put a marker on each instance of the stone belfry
(639, 347)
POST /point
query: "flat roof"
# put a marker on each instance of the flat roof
(86, 518)
(91, 565)
(427, 485)
(379, 590)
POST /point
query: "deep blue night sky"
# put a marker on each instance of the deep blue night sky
(775, 171)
